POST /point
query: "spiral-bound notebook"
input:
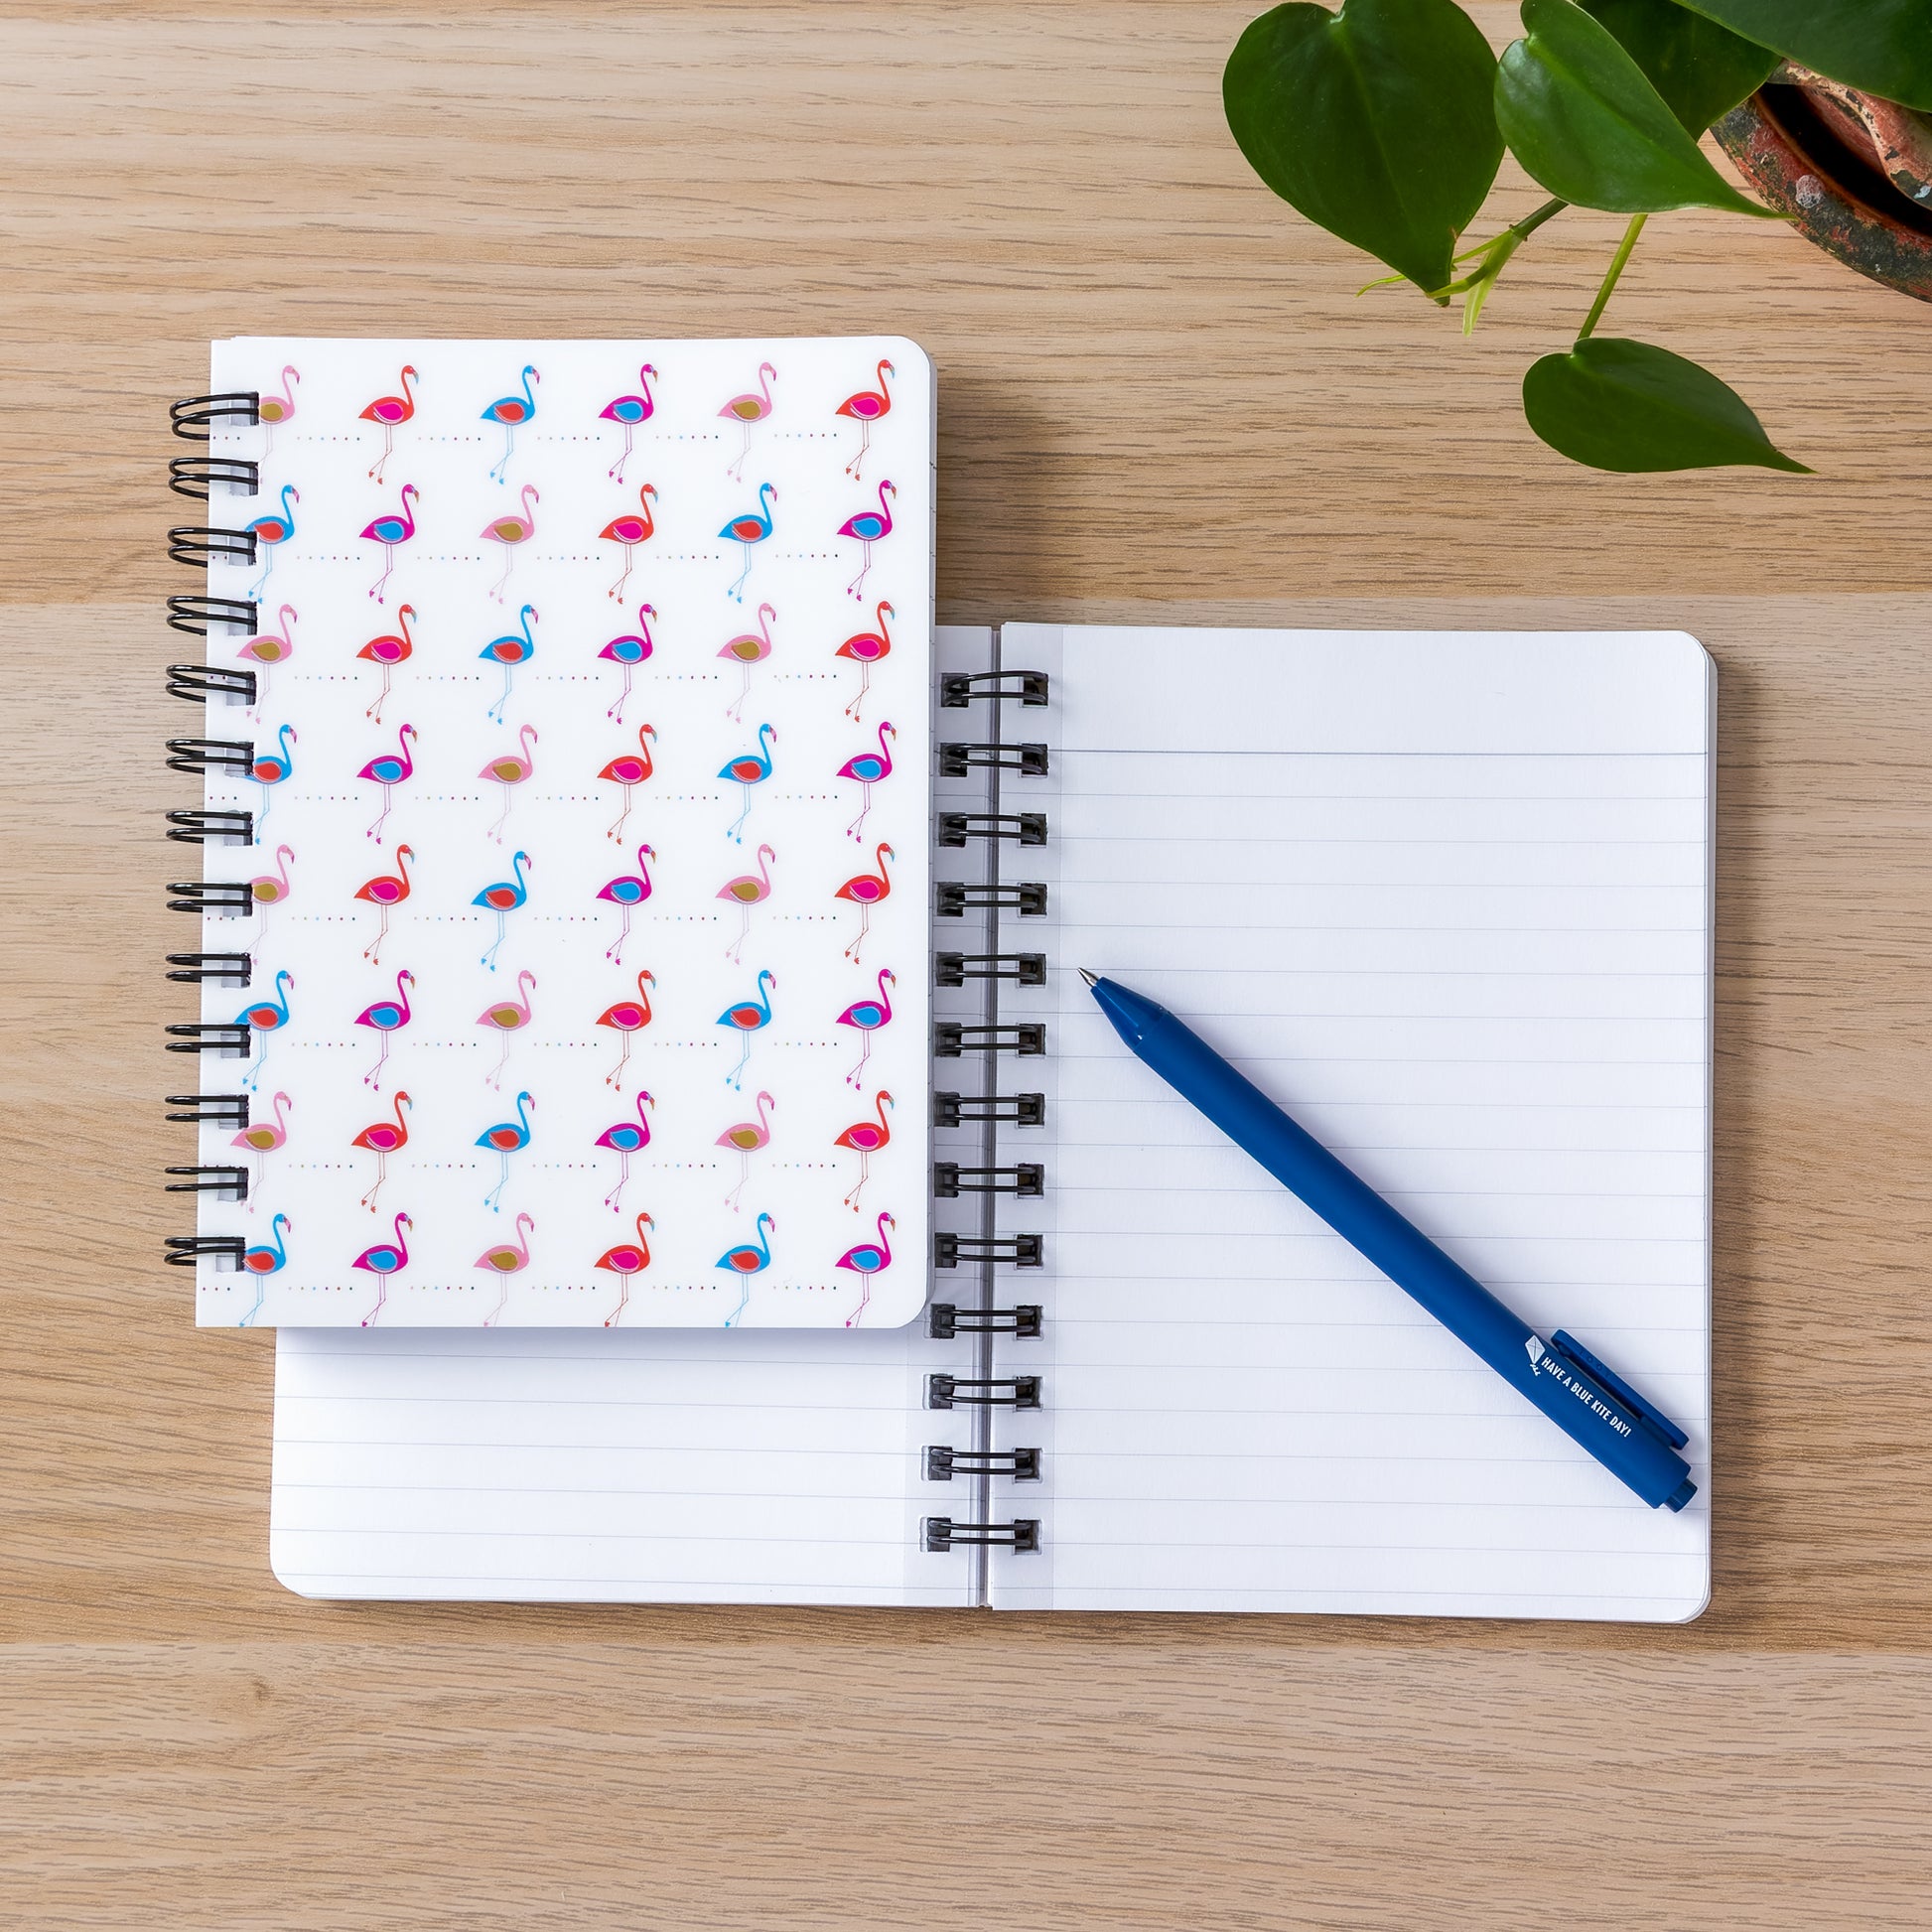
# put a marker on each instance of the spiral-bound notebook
(1448, 896)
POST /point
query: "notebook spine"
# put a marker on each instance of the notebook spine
(973, 1094)
(209, 479)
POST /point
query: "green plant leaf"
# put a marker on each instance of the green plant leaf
(1578, 114)
(1377, 122)
(1701, 70)
(1881, 46)
(1629, 406)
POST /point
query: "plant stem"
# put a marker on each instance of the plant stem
(1618, 260)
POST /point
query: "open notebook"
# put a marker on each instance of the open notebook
(1447, 897)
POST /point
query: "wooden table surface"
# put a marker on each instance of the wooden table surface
(1161, 400)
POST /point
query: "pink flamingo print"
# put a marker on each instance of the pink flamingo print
(868, 1016)
(749, 647)
(749, 768)
(505, 1138)
(269, 889)
(385, 891)
(388, 651)
(747, 889)
(390, 770)
(747, 1019)
(745, 410)
(270, 533)
(624, 1139)
(866, 889)
(511, 412)
(866, 1138)
(510, 650)
(631, 412)
(866, 648)
(629, 769)
(383, 1138)
(509, 530)
(627, 1261)
(868, 1259)
(627, 891)
(262, 1138)
(277, 408)
(510, 769)
(630, 531)
(389, 531)
(748, 1257)
(271, 647)
(263, 1259)
(628, 1017)
(744, 1137)
(867, 769)
(747, 531)
(386, 1018)
(269, 768)
(503, 897)
(866, 407)
(387, 1258)
(508, 1016)
(389, 413)
(869, 527)
(507, 1258)
(265, 1018)
(629, 652)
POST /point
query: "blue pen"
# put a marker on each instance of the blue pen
(1635, 1441)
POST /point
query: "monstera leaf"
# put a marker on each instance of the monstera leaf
(1701, 70)
(1377, 122)
(1881, 46)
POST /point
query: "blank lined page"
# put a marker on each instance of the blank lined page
(1447, 898)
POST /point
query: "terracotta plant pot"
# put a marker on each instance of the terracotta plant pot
(1854, 172)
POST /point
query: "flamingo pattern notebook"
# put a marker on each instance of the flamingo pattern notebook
(565, 833)
(1447, 897)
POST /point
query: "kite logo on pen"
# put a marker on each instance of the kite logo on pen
(1536, 1350)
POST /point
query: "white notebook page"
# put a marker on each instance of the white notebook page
(1448, 898)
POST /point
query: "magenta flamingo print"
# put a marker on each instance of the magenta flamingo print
(868, 1259)
(866, 769)
(627, 652)
(866, 528)
(630, 413)
(627, 892)
(385, 1018)
(867, 1016)
(385, 1258)
(391, 531)
(390, 770)
(625, 1138)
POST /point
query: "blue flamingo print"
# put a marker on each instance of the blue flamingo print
(270, 533)
(263, 1260)
(748, 531)
(748, 1259)
(503, 897)
(510, 411)
(749, 768)
(511, 650)
(747, 1018)
(507, 1137)
(265, 1018)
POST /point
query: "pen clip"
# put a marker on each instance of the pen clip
(1654, 1418)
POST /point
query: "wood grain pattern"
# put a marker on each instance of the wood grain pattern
(1161, 401)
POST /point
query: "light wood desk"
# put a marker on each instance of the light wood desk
(1162, 398)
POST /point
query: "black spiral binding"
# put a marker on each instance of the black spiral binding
(952, 1038)
(198, 683)
(193, 967)
(956, 760)
(1025, 1181)
(942, 1464)
(944, 1320)
(1021, 968)
(192, 615)
(1016, 1109)
(197, 476)
(200, 827)
(211, 754)
(185, 1250)
(190, 417)
(982, 1391)
(208, 1036)
(217, 1109)
(197, 544)
(1022, 828)
(230, 896)
(229, 1181)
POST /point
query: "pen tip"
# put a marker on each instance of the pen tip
(1092, 979)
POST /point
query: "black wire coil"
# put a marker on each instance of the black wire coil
(211, 754)
(199, 544)
(943, 1463)
(958, 689)
(198, 683)
(185, 1250)
(952, 1038)
(945, 1319)
(216, 1109)
(982, 1391)
(193, 967)
(1026, 1181)
(208, 1036)
(957, 759)
(227, 896)
(190, 417)
(950, 1249)
(943, 1533)
(201, 826)
(232, 1182)
(1015, 1109)
(1021, 968)
(196, 476)
(192, 615)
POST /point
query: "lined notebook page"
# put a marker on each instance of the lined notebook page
(1448, 898)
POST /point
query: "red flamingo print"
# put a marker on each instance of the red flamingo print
(629, 651)
(387, 1258)
(386, 1018)
(629, 769)
(624, 1139)
(508, 1257)
(390, 770)
(631, 412)
(509, 530)
(747, 531)
(627, 1261)
(389, 413)
(510, 411)
(627, 891)
(383, 1138)
(278, 408)
(269, 889)
(388, 651)
(744, 1137)
(628, 1017)
(867, 769)
(630, 530)
(749, 647)
(262, 1138)
(271, 647)
(390, 531)
(385, 891)
(508, 1016)
(866, 648)
(745, 410)
(868, 1016)
(747, 889)
(866, 528)
(866, 889)
(866, 407)
(868, 1259)
(510, 769)
(270, 533)
(866, 1138)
